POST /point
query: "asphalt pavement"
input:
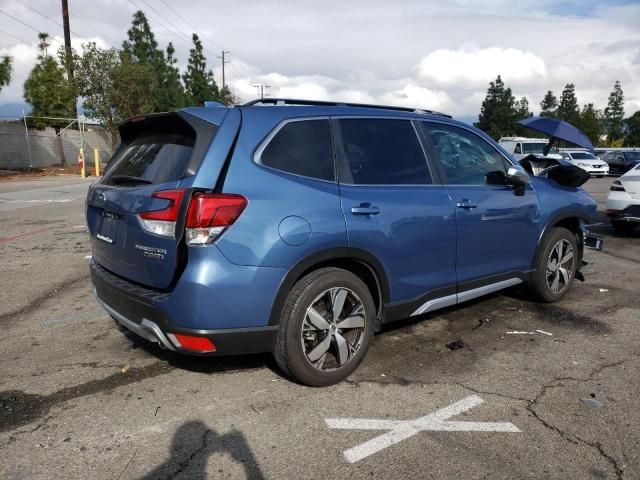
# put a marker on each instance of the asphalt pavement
(79, 399)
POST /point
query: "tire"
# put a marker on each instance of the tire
(624, 228)
(312, 354)
(550, 281)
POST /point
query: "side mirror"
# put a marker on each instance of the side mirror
(518, 179)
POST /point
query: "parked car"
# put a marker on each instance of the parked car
(622, 162)
(623, 202)
(521, 147)
(587, 161)
(300, 228)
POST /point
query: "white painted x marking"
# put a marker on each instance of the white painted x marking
(400, 430)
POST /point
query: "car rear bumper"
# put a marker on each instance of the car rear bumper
(628, 214)
(139, 310)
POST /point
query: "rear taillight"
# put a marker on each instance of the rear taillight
(617, 186)
(163, 222)
(210, 214)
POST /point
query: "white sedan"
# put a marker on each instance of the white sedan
(586, 161)
(623, 202)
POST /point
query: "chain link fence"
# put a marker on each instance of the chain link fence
(22, 148)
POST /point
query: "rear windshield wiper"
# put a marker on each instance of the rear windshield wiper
(121, 179)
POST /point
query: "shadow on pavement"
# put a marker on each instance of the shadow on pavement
(193, 444)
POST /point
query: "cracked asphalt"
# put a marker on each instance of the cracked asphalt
(79, 399)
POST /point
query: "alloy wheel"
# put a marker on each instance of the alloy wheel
(333, 329)
(560, 266)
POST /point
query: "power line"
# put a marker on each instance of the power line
(206, 37)
(22, 40)
(175, 30)
(85, 23)
(190, 25)
(20, 21)
(44, 16)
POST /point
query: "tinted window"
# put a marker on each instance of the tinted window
(518, 150)
(301, 147)
(533, 147)
(632, 155)
(152, 158)
(381, 152)
(466, 158)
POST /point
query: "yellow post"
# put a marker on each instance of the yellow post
(96, 157)
(81, 162)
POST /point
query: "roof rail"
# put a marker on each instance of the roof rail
(321, 103)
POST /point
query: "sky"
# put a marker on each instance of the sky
(438, 55)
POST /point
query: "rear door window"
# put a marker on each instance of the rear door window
(381, 152)
(301, 147)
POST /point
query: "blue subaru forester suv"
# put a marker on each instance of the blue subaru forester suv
(300, 227)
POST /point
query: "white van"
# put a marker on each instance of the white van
(520, 147)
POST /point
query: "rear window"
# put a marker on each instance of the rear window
(301, 147)
(154, 151)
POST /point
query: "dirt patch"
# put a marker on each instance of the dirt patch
(54, 170)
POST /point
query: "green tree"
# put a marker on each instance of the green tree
(132, 84)
(198, 81)
(112, 86)
(568, 109)
(141, 48)
(498, 111)
(632, 124)
(228, 97)
(522, 111)
(5, 71)
(549, 105)
(614, 114)
(175, 91)
(47, 89)
(590, 123)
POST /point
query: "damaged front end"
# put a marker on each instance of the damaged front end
(566, 175)
(561, 171)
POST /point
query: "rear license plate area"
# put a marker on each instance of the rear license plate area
(108, 229)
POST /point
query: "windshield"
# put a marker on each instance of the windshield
(632, 155)
(583, 156)
(536, 147)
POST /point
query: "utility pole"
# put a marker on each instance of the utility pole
(224, 52)
(261, 88)
(67, 39)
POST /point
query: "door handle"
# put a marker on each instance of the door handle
(365, 209)
(466, 204)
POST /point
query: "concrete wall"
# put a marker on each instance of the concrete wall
(42, 148)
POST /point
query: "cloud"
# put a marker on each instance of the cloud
(471, 67)
(419, 53)
(419, 97)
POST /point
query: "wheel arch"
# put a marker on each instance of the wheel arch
(359, 262)
(573, 222)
